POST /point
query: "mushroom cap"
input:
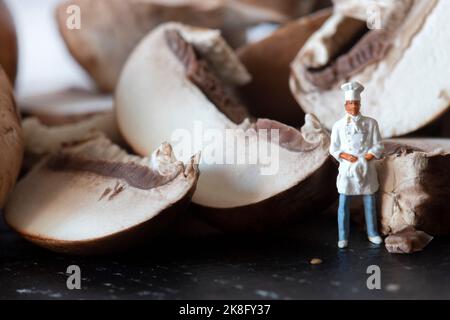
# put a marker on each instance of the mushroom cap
(95, 198)
(246, 198)
(11, 140)
(8, 43)
(160, 97)
(154, 95)
(406, 86)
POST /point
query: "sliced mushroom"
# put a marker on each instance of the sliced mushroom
(95, 198)
(65, 106)
(11, 141)
(60, 118)
(111, 28)
(8, 43)
(415, 187)
(42, 139)
(268, 94)
(188, 101)
(192, 73)
(406, 86)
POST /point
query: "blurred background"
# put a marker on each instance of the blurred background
(45, 64)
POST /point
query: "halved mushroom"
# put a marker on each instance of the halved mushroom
(8, 43)
(415, 187)
(11, 140)
(406, 85)
(255, 176)
(111, 28)
(176, 77)
(95, 198)
(253, 198)
(268, 94)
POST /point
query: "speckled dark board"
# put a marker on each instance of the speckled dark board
(230, 268)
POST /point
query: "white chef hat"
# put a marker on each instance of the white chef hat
(352, 91)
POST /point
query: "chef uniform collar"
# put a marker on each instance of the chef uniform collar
(352, 118)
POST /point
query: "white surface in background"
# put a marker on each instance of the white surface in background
(45, 65)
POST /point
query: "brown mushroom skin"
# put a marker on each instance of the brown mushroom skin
(11, 140)
(120, 242)
(101, 46)
(291, 8)
(268, 61)
(408, 240)
(8, 43)
(266, 216)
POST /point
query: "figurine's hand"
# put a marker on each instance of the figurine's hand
(348, 157)
(369, 156)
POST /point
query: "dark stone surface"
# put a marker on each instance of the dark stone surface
(230, 267)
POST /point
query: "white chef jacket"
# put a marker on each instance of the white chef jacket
(357, 136)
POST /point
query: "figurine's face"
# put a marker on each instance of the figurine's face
(353, 107)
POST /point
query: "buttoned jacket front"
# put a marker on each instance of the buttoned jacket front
(356, 136)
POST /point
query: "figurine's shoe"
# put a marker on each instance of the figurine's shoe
(376, 240)
(343, 244)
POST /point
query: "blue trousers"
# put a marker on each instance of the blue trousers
(344, 215)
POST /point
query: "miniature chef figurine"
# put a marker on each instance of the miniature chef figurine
(355, 143)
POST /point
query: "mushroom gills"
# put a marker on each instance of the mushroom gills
(402, 52)
(201, 74)
(353, 51)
